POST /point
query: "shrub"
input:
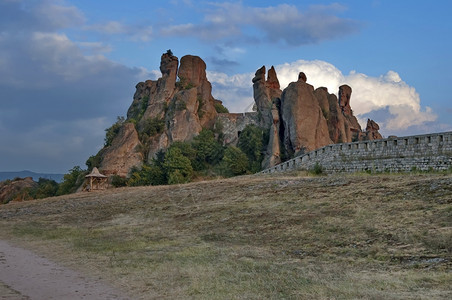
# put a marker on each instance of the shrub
(149, 174)
(113, 131)
(175, 161)
(94, 161)
(72, 181)
(235, 161)
(153, 126)
(251, 142)
(208, 150)
(46, 188)
(317, 169)
(118, 181)
(220, 108)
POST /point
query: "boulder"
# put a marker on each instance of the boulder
(16, 190)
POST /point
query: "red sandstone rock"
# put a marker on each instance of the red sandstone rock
(305, 127)
(372, 130)
(123, 153)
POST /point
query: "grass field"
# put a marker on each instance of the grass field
(286, 236)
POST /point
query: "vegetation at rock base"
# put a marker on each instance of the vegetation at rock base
(72, 181)
(280, 236)
(220, 108)
(112, 132)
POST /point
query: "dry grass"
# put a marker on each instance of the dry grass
(274, 236)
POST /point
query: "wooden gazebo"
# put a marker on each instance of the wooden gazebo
(97, 181)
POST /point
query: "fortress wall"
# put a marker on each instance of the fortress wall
(398, 154)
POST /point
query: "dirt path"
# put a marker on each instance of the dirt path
(25, 275)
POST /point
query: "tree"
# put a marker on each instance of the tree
(46, 188)
(208, 150)
(251, 143)
(149, 174)
(235, 160)
(177, 166)
(71, 181)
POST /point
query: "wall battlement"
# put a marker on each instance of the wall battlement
(398, 154)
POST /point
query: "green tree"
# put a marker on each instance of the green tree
(149, 174)
(251, 142)
(94, 161)
(46, 188)
(71, 181)
(208, 149)
(177, 165)
(235, 161)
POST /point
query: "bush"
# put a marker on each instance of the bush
(251, 142)
(113, 131)
(317, 169)
(149, 174)
(235, 161)
(153, 126)
(118, 181)
(220, 108)
(72, 181)
(94, 161)
(207, 149)
(46, 188)
(176, 162)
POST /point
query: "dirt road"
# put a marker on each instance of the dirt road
(25, 275)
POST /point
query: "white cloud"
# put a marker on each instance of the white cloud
(282, 23)
(370, 95)
(235, 91)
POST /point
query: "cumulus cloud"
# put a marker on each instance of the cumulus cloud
(235, 91)
(387, 99)
(282, 23)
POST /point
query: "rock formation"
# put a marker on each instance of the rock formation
(177, 106)
(267, 94)
(305, 127)
(163, 111)
(372, 130)
(15, 190)
(124, 152)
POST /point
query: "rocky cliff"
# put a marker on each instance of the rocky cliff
(177, 106)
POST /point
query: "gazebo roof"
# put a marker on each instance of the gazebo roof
(95, 173)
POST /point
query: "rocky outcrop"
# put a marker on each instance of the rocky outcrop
(372, 130)
(305, 127)
(16, 190)
(265, 92)
(177, 106)
(124, 152)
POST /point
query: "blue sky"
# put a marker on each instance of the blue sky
(68, 68)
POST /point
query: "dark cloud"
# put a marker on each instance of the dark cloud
(283, 23)
(55, 100)
(223, 63)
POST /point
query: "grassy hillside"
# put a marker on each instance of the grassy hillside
(286, 236)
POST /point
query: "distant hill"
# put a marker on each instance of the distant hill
(36, 176)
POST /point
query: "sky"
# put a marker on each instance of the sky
(68, 68)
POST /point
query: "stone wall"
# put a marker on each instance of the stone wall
(398, 154)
